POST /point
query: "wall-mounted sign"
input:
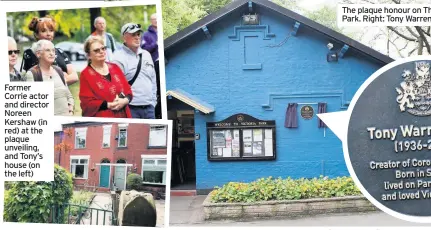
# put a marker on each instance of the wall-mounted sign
(241, 137)
(389, 140)
(307, 112)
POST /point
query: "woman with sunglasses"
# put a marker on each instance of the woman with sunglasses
(13, 51)
(104, 90)
(44, 29)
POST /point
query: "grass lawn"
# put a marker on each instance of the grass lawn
(74, 89)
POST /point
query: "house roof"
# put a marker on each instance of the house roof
(212, 18)
(191, 100)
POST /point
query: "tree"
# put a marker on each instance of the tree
(42, 13)
(289, 4)
(178, 14)
(64, 146)
(403, 40)
(209, 6)
(94, 13)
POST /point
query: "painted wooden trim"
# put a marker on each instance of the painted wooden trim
(153, 156)
(344, 104)
(251, 28)
(190, 101)
(207, 32)
(113, 164)
(295, 28)
(343, 51)
(79, 156)
(252, 66)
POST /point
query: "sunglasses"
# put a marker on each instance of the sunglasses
(101, 49)
(13, 52)
(44, 19)
(131, 27)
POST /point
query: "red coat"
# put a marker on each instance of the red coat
(95, 89)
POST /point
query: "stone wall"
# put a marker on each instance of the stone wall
(290, 208)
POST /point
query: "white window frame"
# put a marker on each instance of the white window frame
(78, 130)
(86, 166)
(156, 167)
(166, 137)
(121, 127)
(108, 141)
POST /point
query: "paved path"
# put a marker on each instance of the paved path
(373, 219)
(187, 211)
(101, 201)
(160, 208)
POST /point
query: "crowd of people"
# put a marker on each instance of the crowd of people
(118, 82)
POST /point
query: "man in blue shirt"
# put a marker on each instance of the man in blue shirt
(141, 77)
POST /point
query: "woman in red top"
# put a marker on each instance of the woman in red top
(104, 90)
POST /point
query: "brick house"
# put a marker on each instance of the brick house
(103, 153)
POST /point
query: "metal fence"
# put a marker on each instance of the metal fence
(78, 214)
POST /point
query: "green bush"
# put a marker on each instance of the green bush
(134, 181)
(32, 202)
(81, 198)
(7, 185)
(265, 189)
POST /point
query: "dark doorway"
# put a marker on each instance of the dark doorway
(183, 171)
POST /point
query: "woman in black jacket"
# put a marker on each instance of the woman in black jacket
(44, 28)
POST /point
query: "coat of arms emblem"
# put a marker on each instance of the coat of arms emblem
(414, 96)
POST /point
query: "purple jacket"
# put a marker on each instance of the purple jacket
(149, 43)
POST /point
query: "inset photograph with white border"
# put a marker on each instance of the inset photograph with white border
(110, 173)
(102, 56)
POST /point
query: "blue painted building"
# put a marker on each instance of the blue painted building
(233, 74)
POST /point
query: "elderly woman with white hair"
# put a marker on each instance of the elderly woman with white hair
(13, 51)
(45, 70)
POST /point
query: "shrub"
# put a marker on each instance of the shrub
(7, 185)
(265, 189)
(81, 198)
(31, 201)
(134, 181)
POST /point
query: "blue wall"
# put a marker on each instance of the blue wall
(297, 71)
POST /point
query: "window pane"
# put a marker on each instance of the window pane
(80, 142)
(122, 137)
(80, 136)
(106, 136)
(153, 176)
(74, 161)
(122, 142)
(79, 171)
(218, 139)
(157, 136)
(149, 162)
(83, 161)
(162, 162)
